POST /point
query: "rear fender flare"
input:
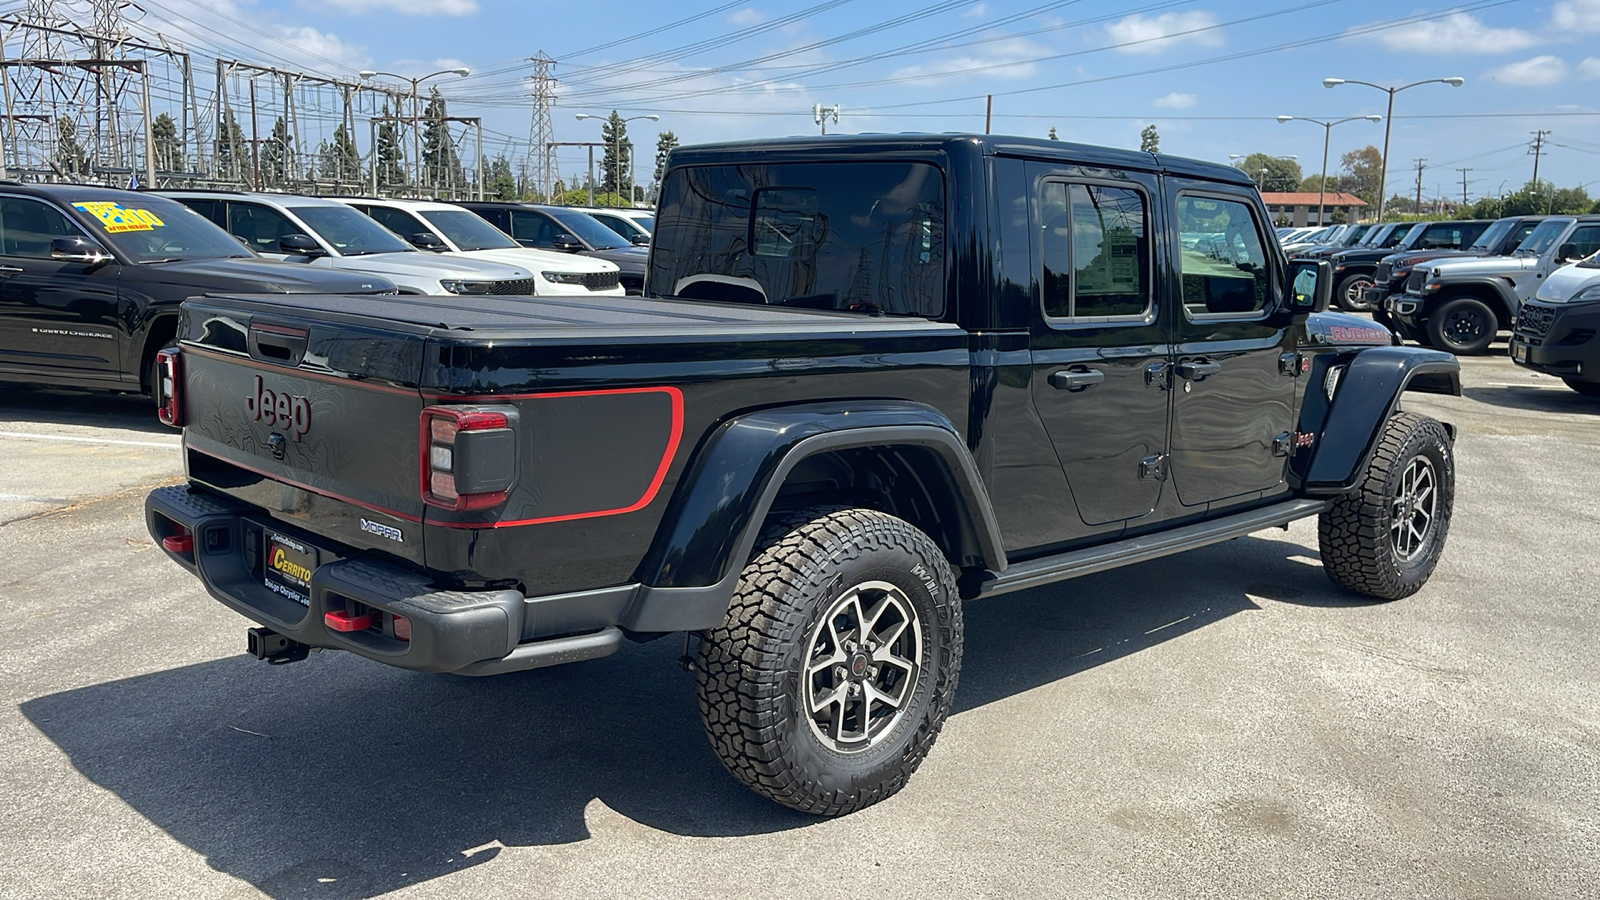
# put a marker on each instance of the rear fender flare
(1345, 430)
(712, 524)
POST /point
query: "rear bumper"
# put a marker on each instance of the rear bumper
(467, 632)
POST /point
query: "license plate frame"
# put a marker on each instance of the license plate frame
(287, 564)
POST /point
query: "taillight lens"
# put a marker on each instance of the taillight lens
(468, 456)
(169, 388)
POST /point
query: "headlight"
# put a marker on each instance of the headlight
(564, 277)
(1339, 268)
(456, 286)
(1590, 294)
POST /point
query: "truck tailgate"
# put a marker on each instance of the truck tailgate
(312, 418)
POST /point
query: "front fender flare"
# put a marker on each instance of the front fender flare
(1348, 428)
(1486, 288)
(711, 526)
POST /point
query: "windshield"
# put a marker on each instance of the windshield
(155, 229)
(588, 230)
(1412, 235)
(1372, 237)
(1491, 236)
(866, 237)
(468, 230)
(1543, 236)
(350, 232)
(648, 223)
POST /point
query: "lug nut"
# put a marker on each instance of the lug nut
(840, 673)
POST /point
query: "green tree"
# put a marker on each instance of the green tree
(69, 156)
(1052, 134)
(500, 181)
(338, 160)
(441, 165)
(164, 145)
(1314, 183)
(618, 161)
(1150, 140)
(1271, 173)
(274, 154)
(1362, 170)
(229, 150)
(665, 142)
(389, 154)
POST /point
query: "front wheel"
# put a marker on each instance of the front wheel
(1464, 326)
(830, 678)
(1384, 538)
(1352, 293)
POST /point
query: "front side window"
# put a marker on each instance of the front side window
(350, 232)
(1094, 251)
(531, 229)
(1583, 242)
(27, 228)
(1226, 270)
(585, 228)
(865, 237)
(259, 227)
(396, 220)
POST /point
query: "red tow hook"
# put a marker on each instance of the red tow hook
(178, 543)
(339, 620)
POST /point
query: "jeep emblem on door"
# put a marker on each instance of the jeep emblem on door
(279, 409)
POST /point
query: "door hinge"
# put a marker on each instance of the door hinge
(1153, 468)
(1293, 364)
(1158, 374)
(1283, 444)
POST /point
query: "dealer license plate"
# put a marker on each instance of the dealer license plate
(287, 566)
(1519, 352)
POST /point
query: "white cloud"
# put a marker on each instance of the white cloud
(1535, 72)
(408, 7)
(1459, 33)
(747, 16)
(1005, 59)
(1155, 34)
(977, 12)
(197, 22)
(1175, 100)
(1576, 15)
(1589, 68)
(325, 48)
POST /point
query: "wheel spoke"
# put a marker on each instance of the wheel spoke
(850, 699)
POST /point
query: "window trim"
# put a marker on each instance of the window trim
(1068, 323)
(1271, 267)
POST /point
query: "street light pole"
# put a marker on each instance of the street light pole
(616, 153)
(1327, 133)
(1388, 122)
(416, 110)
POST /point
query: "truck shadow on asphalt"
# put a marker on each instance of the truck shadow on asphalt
(1557, 398)
(340, 778)
(19, 403)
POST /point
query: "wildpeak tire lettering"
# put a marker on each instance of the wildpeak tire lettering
(279, 409)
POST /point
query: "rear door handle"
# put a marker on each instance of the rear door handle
(9, 271)
(1196, 370)
(1076, 379)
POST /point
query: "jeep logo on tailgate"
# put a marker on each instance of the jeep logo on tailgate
(279, 409)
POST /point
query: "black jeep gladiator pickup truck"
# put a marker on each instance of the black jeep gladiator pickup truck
(872, 378)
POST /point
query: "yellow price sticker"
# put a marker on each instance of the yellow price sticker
(115, 218)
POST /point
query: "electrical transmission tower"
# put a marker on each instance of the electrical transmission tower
(541, 131)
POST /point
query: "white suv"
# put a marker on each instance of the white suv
(447, 228)
(322, 232)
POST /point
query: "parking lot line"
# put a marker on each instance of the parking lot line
(30, 436)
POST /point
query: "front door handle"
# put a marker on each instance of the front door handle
(1197, 370)
(9, 271)
(1076, 379)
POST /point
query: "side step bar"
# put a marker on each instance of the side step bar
(1036, 572)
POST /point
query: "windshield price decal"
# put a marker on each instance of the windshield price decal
(114, 217)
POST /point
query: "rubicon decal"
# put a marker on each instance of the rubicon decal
(279, 409)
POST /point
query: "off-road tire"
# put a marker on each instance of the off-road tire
(1464, 326)
(751, 669)
(1357, 534)
(1586, 388)
(1341, 294)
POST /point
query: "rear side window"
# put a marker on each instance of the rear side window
(1223, 262)
(1095, 252)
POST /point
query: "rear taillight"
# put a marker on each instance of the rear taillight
(468, 455)
(168, 388)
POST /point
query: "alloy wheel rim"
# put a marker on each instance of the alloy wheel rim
(864, 659)
(1353, 293)
(1413, 509)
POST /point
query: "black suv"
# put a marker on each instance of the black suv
(91, 279)
(566, 230)
(1389, 279)
(1355, 270)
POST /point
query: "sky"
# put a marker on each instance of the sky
(1212, 76)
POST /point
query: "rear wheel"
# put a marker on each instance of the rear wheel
(1384, 538)
(1586, 388)
(1464, 326)
(834, 670)
(1352, 292)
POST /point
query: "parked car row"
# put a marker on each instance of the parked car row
(91, 277)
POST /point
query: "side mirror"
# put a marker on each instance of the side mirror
(1568, 253)
(566, 243)
(640, 240)
(78, 249)
(300, 245)
(427, 240)
(1310, 285)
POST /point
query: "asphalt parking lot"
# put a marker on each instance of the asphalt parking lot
(1224, 723)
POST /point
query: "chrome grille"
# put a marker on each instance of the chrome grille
(601, 281)
(1535, 321)
(1414, 283)
(513, 287)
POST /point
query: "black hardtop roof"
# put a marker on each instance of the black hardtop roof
(91, 192)
(889, 145)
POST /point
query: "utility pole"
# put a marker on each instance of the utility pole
(821, 113)
(988, 113)
(1421, 164)
(1463, 185)
(541, 130)
(1537, 149)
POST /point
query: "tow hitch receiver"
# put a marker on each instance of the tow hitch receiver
(264, 643)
